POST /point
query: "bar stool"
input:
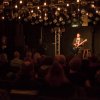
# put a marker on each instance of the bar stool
(86, 53)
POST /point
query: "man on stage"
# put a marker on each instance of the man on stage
(78, 43)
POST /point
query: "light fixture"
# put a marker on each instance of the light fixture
(20, 1)
(78, 1)
(3, 17)
(67, 4)
(38, 7)
(58, 8)
(51, 11)
(45, 3)
(16, 6)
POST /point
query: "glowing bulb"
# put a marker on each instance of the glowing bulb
(78, 0)
(3, 17)
(38, 7)
(19, 17)
(45, 14)
(78, 9)
(45, 3)
(16, 6)
(31, 11)
(67, 4)
(92, 5)
(20, 1)
(40, 17)
(97, 11)
(58, 8)
(87, 14)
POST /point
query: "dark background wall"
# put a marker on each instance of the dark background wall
(21, 34)
(97, 41)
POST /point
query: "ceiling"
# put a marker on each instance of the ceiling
(51, 11)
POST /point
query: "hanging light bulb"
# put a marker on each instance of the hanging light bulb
(3, 17)
(45, 17)
(20, 1)
(16, 6)
(19, 17)
(38, 7)
(92, 5)
(78, 9)
(45, 14)
(32, 11)
(78, 1)
(40, 18)
(58, 8)
(97, 11)
(67, 4)
(45, 3)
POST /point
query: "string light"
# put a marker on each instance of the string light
(78, 1)
(45, 14)
(78, 9)
(87, 14)
(3, 17)
(67, 4)
(97, 11)
(16, 6)
(19, 17)
(45, 3)
(20, 1)
(58, 8)
(50, 12)
(92, 5)
(31, 11)
(38, 7)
